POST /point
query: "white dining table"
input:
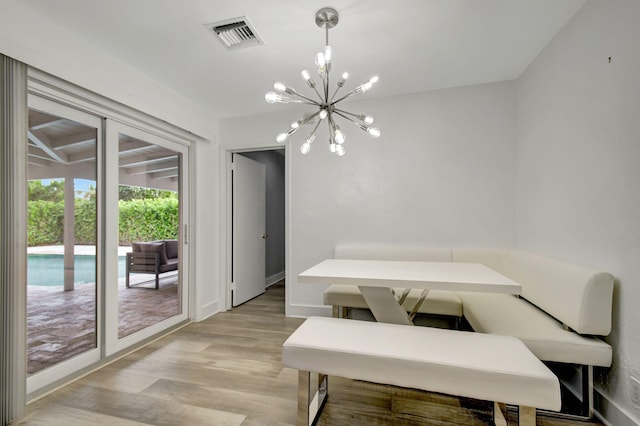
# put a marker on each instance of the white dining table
(377, 279)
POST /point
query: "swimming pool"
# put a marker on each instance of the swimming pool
(48, 269)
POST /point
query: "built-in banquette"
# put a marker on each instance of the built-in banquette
(563, 311)
(153, 257)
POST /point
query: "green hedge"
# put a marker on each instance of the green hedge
(140, 220)
(85, 221)
(46, 223)
(145, 220)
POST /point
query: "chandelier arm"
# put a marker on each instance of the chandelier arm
(353, 92)
(295, 92)
(316, 127)
(315, 89)
(332, 130)
(338, 110)
(334, 94)
(309, 118)
(325, 81)
(363, 127)
(332, 124)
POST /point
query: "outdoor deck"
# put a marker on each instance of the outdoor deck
(62, 324)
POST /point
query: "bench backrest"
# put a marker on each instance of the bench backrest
(391, 252)
(493, 258)
(575, 295)
(578, 296)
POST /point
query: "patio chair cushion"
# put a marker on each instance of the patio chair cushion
(152, 247)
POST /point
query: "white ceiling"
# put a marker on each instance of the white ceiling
(413, 45)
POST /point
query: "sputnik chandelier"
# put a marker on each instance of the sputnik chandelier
(327, 104)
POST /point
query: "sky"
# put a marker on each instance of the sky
(81, 185)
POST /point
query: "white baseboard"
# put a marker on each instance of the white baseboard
(271, 280)
(609, 413)
(205, 311)
(305, 311)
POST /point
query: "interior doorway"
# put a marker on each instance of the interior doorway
(273, 161)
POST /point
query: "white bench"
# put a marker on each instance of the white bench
(475, 365)
(563, 309)
(438, 302)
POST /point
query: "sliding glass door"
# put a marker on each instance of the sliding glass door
(63, 274)
(145, 215)
(107, 258)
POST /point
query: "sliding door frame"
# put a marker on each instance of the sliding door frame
(113, 343)
(62, 369)
(62, 92)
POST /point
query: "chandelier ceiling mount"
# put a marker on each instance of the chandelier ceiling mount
(326, 105)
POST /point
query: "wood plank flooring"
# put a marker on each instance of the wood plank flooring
(227, 370)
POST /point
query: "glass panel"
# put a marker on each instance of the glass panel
(62, 237)
(149, 224)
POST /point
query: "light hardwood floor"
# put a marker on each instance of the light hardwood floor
(226, 370)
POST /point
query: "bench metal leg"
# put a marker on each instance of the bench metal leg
(339, 311)
(587, 391)
(499, 413)
(310, 404)
(526, 415)
(586, 408)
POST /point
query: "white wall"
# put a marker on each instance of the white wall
(441, 174)
(578, 167)
(31, 38)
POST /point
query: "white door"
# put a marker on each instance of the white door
(249, 230)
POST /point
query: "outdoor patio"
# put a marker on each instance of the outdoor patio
(62, 324)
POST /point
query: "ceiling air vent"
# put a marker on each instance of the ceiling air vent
(235, 33)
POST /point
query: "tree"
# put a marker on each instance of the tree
(128, 193)
(53, 191)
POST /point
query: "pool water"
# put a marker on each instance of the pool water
(48, 269)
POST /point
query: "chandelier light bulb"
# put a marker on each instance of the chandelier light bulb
(305, 148)
(323, 114)
(307, 77)
(340, 150)
(279, 86)
(374, 79)
(373, 131)
(332, 147)
(327, 54)
(363, 88)
(271, 97)
(320, 61)
(281, 137)
(367, 119)
(339, 136)
(295, 124)
(343, 79)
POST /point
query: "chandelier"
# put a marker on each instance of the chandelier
(326, 104)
